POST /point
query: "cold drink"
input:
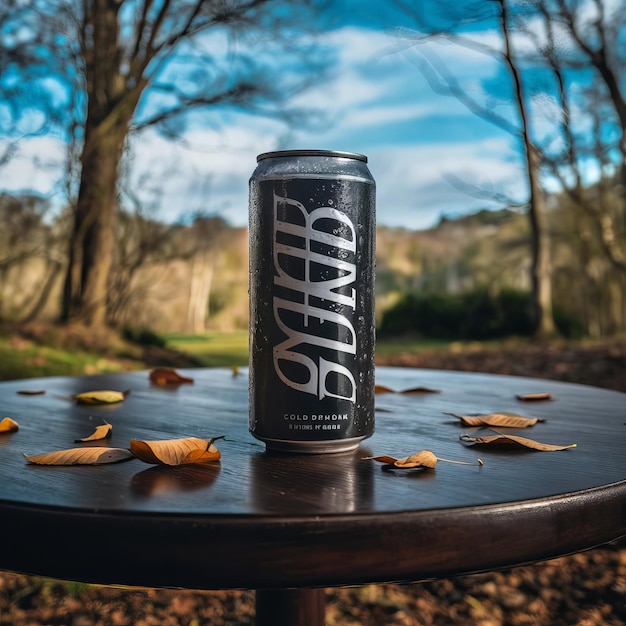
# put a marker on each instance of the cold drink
(312, 327)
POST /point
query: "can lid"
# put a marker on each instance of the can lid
(314, 153)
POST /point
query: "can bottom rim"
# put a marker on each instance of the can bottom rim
(311, 447)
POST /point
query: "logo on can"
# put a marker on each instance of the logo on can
(311, 301)
(313, 282)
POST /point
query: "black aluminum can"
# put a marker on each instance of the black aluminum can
(312, 326)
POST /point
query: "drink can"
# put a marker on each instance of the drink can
(312, 325)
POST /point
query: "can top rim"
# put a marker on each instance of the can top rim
(315, 153)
